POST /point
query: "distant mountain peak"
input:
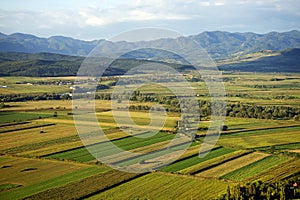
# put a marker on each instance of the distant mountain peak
(218, 44)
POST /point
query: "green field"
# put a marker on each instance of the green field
(51, 183)
(254, 168)
(104, 149)
(231, 165)
(177, 166)
(86, 186)
(6, 117)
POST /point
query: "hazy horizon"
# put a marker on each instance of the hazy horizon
(109, 38)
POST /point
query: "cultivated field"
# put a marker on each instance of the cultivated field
(42, 155)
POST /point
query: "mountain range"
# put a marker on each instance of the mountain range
(28, 55)
(218, 44)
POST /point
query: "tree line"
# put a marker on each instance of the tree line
(281, 190)
(172, 104)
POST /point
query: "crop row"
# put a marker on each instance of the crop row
(257, 130)
(88, 186)
(195, 159)
(213, 162)
(165, 186)
(231, 165)
(261, 138)
(278, 172)
(24, 127)
(105, 148)
(253, 168)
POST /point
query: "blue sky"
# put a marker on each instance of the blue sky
(96, 19)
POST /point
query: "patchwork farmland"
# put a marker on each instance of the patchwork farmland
(42, 155)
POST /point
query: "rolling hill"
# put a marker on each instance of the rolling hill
(49, 64)
(265, 61)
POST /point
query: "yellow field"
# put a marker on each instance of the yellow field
(165, 186)
(260, 140)
(51, 149)
(30, 136)
(26, 171)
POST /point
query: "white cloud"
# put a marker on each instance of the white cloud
(179, 14)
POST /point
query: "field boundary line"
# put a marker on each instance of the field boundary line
(26, 128)
(14, 123)
(254, 129)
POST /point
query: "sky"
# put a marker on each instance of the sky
(103, 19)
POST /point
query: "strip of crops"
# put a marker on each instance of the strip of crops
(6, 117)
(280, 171)
(266, 130)
(104, 149)
(167, 151)
(24, 127)
(254, 168)
(260, 130)
(232, 165)
(25, 191)
(153, 149)
(290, 146)
(260, 140)
(87, 186)
(177, 166)
(28, 147)
(165, 186)
(214, 162)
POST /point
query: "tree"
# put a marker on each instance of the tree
(224, 128)
(2, 105)
(272, 149)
